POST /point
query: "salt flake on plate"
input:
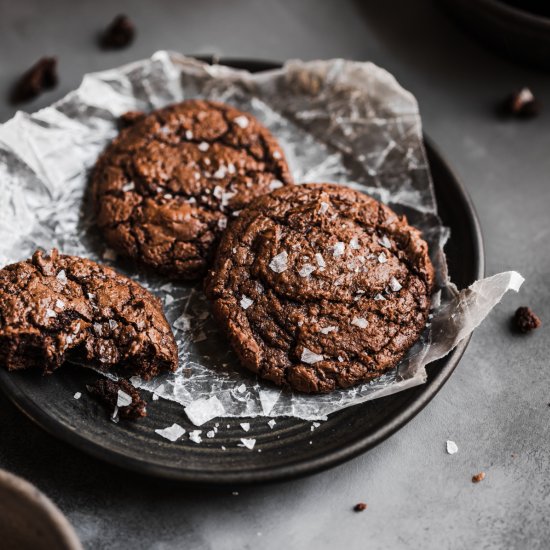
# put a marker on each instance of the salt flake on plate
(204, 409)
(248, 443)
(452, 447)
(279, 263)
(310, 357)
(172, 433)
(195, 436)
(123, 399)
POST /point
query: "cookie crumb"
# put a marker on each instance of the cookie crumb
(521, 104)
(525, 320)
(360, 507)
(478, 477)
(121, 395)
(119, 34)
(40, 77)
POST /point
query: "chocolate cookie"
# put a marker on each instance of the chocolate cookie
(320, 287)
(63, 308)
(166, 186)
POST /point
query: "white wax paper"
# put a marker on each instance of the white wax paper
(337, 121)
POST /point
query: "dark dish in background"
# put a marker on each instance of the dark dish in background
(517, 29)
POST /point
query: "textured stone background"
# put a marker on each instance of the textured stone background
(495, 406)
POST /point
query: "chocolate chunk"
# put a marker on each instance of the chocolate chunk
(360, 507)
(320, 287)
(168, 185)
(119, 34)
(478, 477)
(116, 394)
(521, 104)
(41, 76)
(56, 308)
(525, 320)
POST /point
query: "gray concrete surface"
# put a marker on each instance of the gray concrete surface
(495, 406)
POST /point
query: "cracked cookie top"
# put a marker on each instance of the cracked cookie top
(167, 185)
(320, 287)
(60, 308)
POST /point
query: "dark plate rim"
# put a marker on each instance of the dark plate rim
(513, 14)
(302, 467)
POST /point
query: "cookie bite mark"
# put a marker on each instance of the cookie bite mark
(167, 186)
(56, 308)
(320, 287)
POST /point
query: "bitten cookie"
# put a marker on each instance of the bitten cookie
(320, 287)
(63, 308)
(167, 185)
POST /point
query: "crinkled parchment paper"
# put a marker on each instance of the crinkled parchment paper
(338, 121)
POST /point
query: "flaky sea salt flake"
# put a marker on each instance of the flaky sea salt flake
(360, 322)
(331, 328)
(248, 443)
(77, 395)
(172, 433)
(62, 276)
(306, 270)
(385, 242)
(241, 121)
(452, 447)
(310, 357)
(246, 302)
(382, 258)
(245, 426)
(395, 285)
(123, 399)
(275, 184)
(183, 322)
(271, 423)
(195, 436)
(338, 249)
(320, 260)
(203, 146)
(278, 263)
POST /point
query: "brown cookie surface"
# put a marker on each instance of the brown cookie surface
(60, 308)
(167, 185)
(320, 287)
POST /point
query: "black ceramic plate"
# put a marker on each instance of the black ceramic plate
(288, 450)
(519, 29)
